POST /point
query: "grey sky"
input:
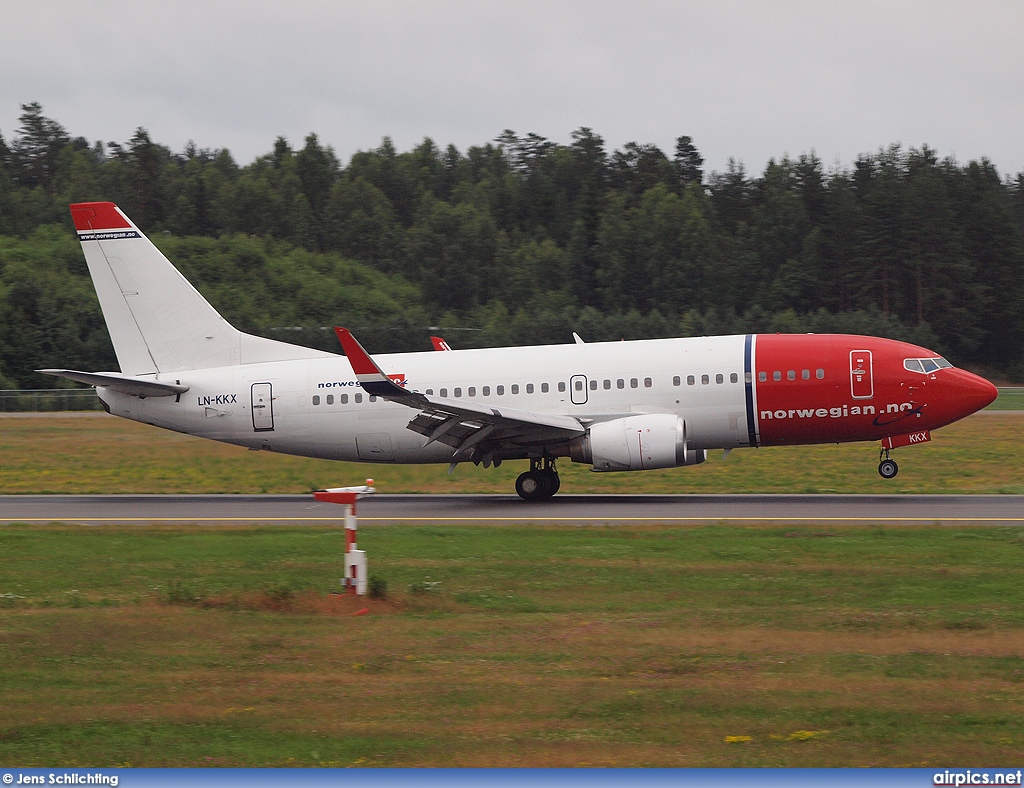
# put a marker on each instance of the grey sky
(749, 80)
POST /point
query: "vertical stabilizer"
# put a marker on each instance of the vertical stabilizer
(158, 322)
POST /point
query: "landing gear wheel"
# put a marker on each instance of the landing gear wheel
(532, 486)
(888, 469)
(540, 482)
(552, 482)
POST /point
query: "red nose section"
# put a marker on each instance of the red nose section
(971, 392)
(954, 394)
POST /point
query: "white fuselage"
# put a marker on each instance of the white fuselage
(315, 407)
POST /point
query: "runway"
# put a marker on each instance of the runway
(568, 509)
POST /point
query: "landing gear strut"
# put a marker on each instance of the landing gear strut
(887, 468)
(540, 482)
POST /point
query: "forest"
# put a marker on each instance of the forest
(519, 240)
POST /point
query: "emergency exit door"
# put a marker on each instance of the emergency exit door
(262, 407)
(578, 389)
(862, 381)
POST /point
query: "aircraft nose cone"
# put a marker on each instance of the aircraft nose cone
(973, 392)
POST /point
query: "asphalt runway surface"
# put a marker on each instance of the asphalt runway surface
(569, 509)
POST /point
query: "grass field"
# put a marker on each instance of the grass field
(103, 454)
(1010, 398)
(670, 646)
(807, 645)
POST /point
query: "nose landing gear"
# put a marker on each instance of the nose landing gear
(540, 482)
(887, 468)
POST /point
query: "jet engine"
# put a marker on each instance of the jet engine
(636, 443)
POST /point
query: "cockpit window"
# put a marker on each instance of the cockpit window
(925, 365)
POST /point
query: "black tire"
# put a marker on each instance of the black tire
(888, 469)
(531, 486)
(553, 482)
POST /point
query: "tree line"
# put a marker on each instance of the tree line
(519, 240)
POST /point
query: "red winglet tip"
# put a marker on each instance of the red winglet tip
(98, 216)
(360, 360)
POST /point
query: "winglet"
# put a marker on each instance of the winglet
(370, 376)
(440, 344)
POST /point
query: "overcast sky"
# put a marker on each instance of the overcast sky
(748, 80)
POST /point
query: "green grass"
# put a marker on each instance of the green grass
(840, 646)
(1009, 399)
(103, 454)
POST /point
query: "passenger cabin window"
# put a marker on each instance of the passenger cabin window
(515, 388)
(690, 380)
(593, 385)
(500, 391)
(579, 385)
(633, 383)
(444, 392)
(806, 374)
(543, 388)
(316, 399)
(373, 398)
(607, 384)
(819, 373)
(458, 391)
(487, 391)
(430, 392)
(648, 383)
(330, 399)
(676, 381)
(620, 384)
(472, 391)
(776, 375)
(791, 375)
(529, 388)
(704, 380)
(762, 376)
(359, 397)
(344, 399)
(734, 378)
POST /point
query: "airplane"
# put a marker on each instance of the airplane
(616, 406)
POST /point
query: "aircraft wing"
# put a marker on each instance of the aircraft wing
(126, 384)
(471, 428)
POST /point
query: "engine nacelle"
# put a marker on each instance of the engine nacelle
(636, 443)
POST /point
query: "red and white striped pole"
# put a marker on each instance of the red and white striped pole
(355, 559)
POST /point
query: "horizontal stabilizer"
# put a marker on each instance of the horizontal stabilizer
(137, 387)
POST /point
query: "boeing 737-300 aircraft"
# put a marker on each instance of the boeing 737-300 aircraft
(618, 406)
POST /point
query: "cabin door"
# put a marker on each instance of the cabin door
(862, 381)
(262, 407)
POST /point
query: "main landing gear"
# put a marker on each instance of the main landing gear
(887, 468)
(540, 482)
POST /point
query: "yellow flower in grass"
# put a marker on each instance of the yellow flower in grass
(738, 739)
(804, 735)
